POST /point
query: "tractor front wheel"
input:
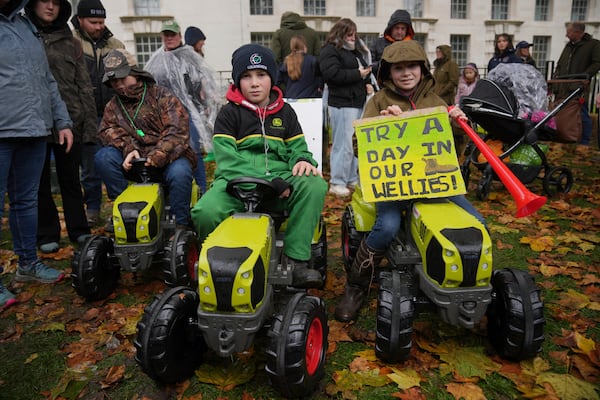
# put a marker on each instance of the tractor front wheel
(515, 315)
(169, 343)
(95, 269)
(298, 346)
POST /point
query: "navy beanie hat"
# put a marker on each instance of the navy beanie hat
(252, 56)
(91, 9)
(193, 35)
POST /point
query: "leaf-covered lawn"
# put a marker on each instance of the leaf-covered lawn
(54, 345)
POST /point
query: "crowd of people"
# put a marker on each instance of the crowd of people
(91, 110)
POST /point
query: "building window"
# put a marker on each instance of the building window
(261, 7)
(458, 9)
(262, 38)
(460, 48)
(579, 10)
(314, 7)
(422, 39)
(541, 52)
(365, 8)
(145, 46)
(542, 10)
(146, 7)
(500, 9)
(414, 7)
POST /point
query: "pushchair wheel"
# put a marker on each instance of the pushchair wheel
(558, 180)
(465, 171)
(484, 186)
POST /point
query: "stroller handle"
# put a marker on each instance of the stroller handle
(527, 202)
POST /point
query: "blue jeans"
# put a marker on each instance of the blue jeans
(90, 180)
(177, 177)
(342, 162)
(21, 164)
(199, 172)
(389, 220)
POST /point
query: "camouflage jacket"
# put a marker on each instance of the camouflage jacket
(153, 122)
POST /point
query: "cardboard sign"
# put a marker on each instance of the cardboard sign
(408, 156)
(310, 117)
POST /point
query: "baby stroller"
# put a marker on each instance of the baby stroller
(496, 107)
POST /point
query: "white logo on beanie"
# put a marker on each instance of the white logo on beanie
(256, 62)
(255, 59)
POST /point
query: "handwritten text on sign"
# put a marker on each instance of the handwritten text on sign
(408, 156)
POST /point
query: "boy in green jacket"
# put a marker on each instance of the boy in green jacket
(258, 135)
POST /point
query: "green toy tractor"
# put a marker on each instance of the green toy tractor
(244, 290)
(144, 234)
(442, 260)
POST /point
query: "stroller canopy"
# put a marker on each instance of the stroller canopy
(495, 108)
(527, 84)
(489, 96)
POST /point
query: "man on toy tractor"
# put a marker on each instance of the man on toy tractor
(144, 120)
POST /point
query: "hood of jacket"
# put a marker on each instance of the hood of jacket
(58, 24)
(292, 20)
(13, 7)
(235, 95)
(408, 50)
(400, 17)
(446, 55)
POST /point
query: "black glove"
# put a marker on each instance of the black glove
(281, 184)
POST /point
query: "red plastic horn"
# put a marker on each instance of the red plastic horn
(527, 202)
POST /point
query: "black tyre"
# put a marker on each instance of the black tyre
(557, 180)
(351, 238)
(169, 343)
(298, 346)
(319, 251)
(95, 269)
(515, 315)
(395, 314)
(181, 256)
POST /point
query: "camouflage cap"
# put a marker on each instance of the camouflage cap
(117, 64)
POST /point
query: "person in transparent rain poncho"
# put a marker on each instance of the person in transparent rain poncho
(179, 68)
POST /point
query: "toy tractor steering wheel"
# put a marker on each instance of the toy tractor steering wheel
(140, 172)
(241, 189)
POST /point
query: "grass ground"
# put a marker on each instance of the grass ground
(54, 345)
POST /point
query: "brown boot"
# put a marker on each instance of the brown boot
(358, 280)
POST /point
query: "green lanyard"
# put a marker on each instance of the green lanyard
(138, 131)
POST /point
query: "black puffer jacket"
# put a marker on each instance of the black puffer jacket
(339, 68)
